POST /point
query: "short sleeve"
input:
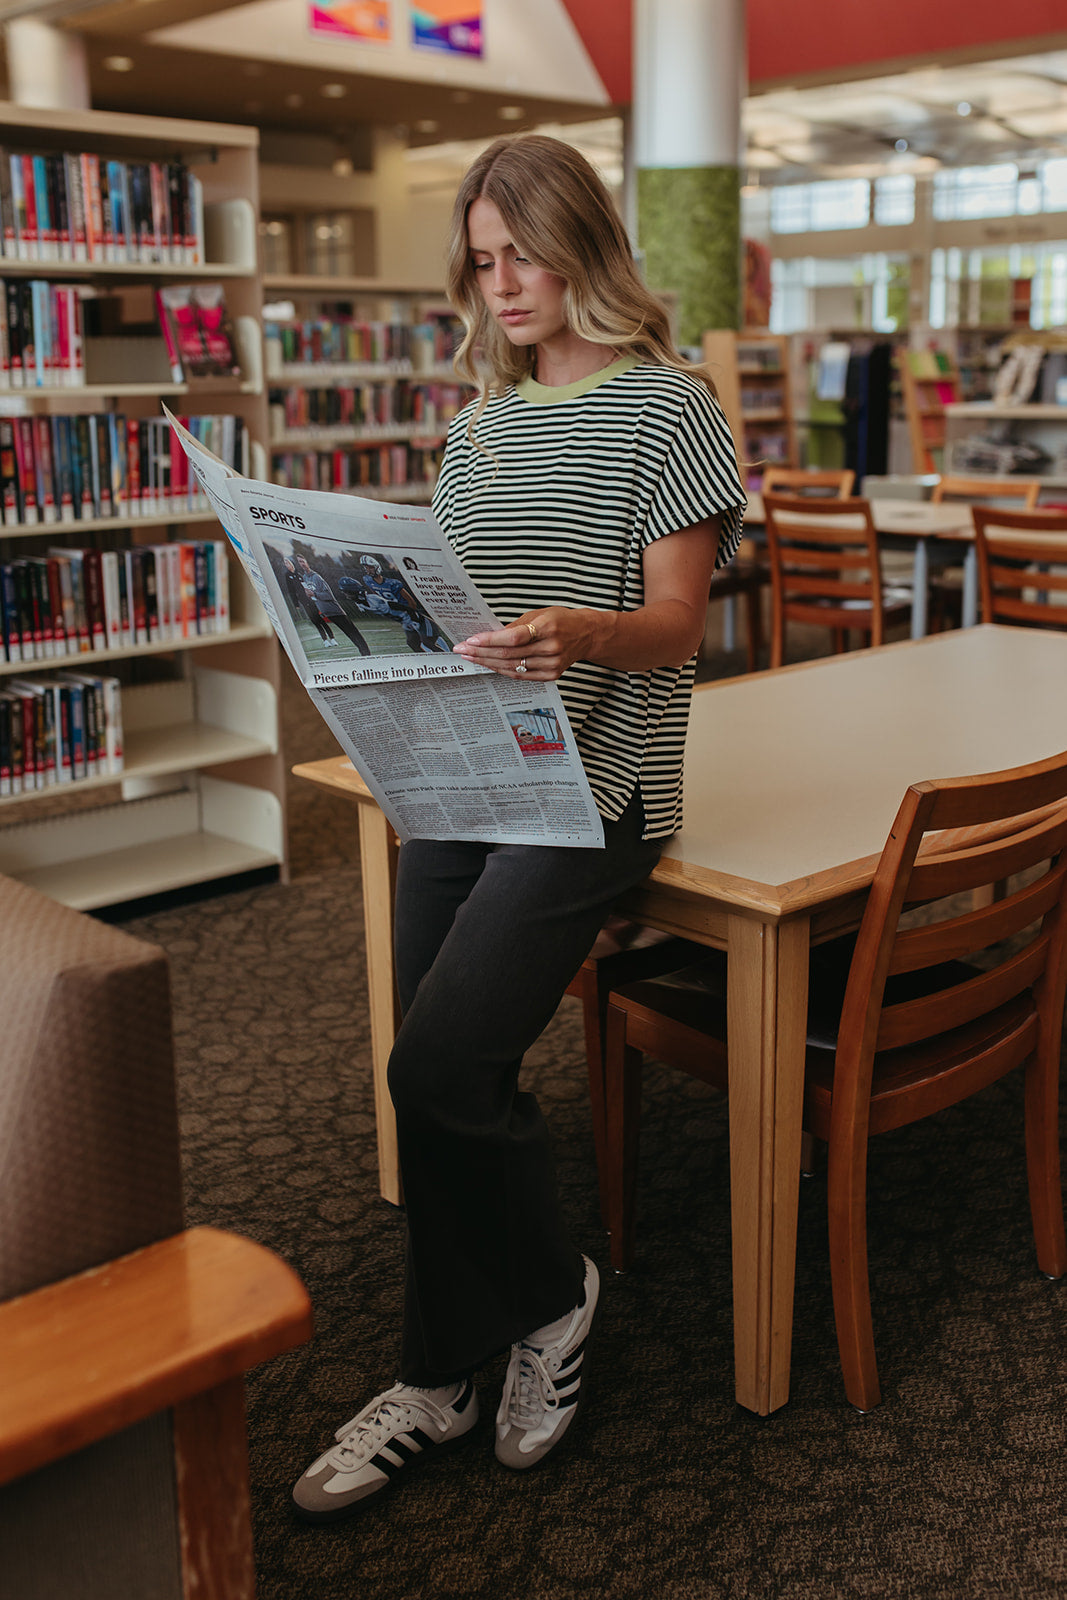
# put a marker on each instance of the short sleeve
(698, 476)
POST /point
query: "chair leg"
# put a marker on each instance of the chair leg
(753, 627)
(623, 1076)
(807, 1155)
(587, 986)
(1043, 1163)
(846, 1185)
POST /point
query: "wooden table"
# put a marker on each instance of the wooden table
(793, 778)
(918, 522)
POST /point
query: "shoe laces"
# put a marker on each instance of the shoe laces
(529, 1387)
(387, 1415)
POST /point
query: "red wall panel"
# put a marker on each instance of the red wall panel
(788, 41)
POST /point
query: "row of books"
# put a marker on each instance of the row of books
(338, 339)
(41, 343)
(366, 405)
(80, 206)
(58, 729)
(72, 602)
(102, 464)
(383, 466)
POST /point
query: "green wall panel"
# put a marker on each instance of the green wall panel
(689, 230)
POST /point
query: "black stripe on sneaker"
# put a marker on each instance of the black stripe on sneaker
(385, 1462)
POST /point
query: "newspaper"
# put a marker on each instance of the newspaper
(368, 600)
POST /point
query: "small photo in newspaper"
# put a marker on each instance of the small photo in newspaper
(537, 732)
(348, 603)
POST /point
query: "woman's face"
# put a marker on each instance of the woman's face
(525, 300)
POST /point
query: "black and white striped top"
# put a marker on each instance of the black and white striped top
(569, 488)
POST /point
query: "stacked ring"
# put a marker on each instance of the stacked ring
(521, 666)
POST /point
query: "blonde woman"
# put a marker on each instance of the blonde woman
(590, 490)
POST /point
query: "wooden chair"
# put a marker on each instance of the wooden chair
(826, 570)
(902, 1021)
(748, 576)
(1024, 490)
(609, 965)
(1010, 545)
(799, 480)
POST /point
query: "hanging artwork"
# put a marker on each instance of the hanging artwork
(353, 19)
(453, 25)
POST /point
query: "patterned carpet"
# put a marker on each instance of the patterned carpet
(954, 1488)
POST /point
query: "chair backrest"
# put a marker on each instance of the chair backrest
(825, 566)
(1020, 491)
(798, 480)
(985, 1020)
(1010, 545)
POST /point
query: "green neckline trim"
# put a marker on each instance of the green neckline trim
(543, 394)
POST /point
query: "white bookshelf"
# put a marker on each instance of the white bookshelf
(201, 793)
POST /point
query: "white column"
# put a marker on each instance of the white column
(46, 67)
(690, 76)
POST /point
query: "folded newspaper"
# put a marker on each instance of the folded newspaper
(368, 599)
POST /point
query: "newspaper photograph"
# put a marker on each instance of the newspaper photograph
(368, 599)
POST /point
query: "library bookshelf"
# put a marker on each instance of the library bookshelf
(929, 381)
(361, 385)
(751, 371)
(200, 793)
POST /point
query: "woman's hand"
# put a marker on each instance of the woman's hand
(663, 632)
(540, 644)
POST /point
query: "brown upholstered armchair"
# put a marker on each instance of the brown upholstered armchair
(123, 1338)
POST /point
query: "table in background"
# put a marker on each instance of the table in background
(793, 778)
(918, 522)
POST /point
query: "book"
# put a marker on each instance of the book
(75, 187)
(197, 331)
(8, 237)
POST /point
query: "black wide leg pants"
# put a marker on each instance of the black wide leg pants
(487, 939)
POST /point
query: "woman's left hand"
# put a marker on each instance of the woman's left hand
(539, 645)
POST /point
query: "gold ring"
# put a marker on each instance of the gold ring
(521, 665)
(533, 630)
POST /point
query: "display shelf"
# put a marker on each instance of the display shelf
(387, 318)
(203, 783)
(212, 830)
(1039, 424)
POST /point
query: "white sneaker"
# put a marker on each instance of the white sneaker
(543, 1386)
(398, 1429)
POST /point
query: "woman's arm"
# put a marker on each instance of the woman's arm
(663, 632)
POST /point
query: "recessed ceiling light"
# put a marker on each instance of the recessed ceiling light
(342, 167)
(294, 101)
(427, 125)
(901, 145)
(118, 63)
(333, 91)
(511, 113)
(964, 108)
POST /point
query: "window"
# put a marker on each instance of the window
(816, 207)
(963, 193)
(894, 199)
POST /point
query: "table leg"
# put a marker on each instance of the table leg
(969, 603)
(920, 589)
(378, 857)
(767, 985)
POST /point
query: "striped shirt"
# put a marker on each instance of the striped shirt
(578, 481)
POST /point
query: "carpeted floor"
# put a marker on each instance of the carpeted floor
(955, 1487)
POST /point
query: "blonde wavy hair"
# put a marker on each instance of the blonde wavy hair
(560, 215)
